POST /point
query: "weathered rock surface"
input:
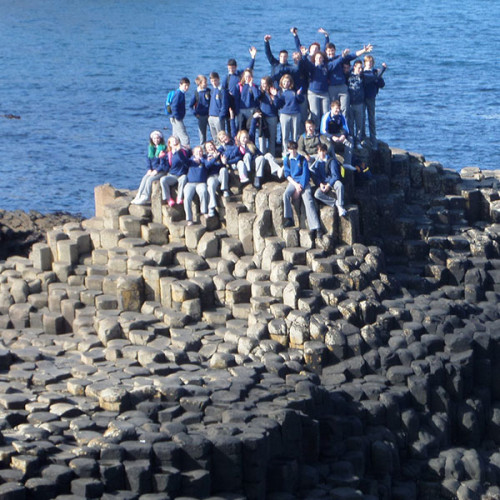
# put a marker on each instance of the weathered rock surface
(142, 358)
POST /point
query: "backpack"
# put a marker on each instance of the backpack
(168, 102)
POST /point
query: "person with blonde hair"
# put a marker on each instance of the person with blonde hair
(218, 176)
(177, 160)
(196, 183)
(289, 102)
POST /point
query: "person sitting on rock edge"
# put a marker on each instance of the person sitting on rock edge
(325, 171)
(177, 158)
(157, 167)
(298, 176)
(196, 178)
(334, 125)
(217, 176)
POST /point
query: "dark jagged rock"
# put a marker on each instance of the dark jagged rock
(145, 358)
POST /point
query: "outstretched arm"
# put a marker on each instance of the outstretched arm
(364, 50)
(267, 47)
(253, 53)
(295, 33)
(327, 37)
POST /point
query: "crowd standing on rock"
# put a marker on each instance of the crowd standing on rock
(317, 91)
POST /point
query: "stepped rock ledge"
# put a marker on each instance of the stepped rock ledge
(142, 358)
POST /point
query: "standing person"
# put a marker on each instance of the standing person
(356, 116)
(313, 48)
(373, 82)
(178, 106)
(196, 182)
(269, 120)
(337, 87)
(249, 93)
(200, 103)
(157, 167)
(218, 107)
(217, 176)
(297, 174)
(279, 67)
(317, 95)
(325, 171)
(289, 102)
(232, 81)
(177, 159)
(334, 126)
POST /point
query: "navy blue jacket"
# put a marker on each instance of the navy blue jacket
(289, 102)
(373, 82)
(334, 125)
(248, 96)
(336, 75)
(213, 165)
(178, 105)
(318, 76)
(325, 171)
(268, 107)
(277, 69)
(158, 164)
(200, 107)
(197, 172)
(178, 162)
(219, 103)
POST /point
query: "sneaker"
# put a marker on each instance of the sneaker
(342, 211)
(280, 173)
(190, 222)
(226, 193)
(244, 179)
(139, 200)
(178, 201)
(288, 222)
(171, 202)
(211, 212)
(256, 183)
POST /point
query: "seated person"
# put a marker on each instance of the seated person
(217, 176)
(309, 141)
(177, 159)
(196, 178)
(157, 167)
(298, 175)
(334, 125)
(325, 172)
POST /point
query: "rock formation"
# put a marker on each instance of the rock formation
(144, 358)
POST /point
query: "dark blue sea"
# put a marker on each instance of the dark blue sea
(89, 79)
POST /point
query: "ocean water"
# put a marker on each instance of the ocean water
(89, 79)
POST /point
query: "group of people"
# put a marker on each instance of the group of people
(320, 103)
